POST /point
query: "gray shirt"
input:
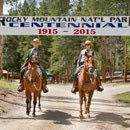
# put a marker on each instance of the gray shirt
(82, 56)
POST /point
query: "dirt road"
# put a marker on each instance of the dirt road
(60, 111)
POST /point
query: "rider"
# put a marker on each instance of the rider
(80, 62)
(33, 51)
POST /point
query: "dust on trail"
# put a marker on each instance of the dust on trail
(60, 111)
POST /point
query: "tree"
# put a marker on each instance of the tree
(11, 57)
(1, 38)
(62, 51)
(23, 43)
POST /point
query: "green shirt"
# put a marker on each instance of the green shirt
(38, 52)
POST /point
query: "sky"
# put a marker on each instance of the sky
(8, 6)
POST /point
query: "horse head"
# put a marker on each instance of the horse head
(33, 72)
(89, 62)
(34, 59)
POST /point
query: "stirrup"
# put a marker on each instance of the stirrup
(100, 89)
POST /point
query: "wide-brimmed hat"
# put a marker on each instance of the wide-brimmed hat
(36, 40)
(88, 42)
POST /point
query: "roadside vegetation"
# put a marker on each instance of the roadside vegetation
(10, 85)
(2, 110)
(124, 98)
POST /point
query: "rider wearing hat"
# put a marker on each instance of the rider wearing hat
(80, 62)
(37, 52)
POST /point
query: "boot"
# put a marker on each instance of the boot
(44, 87)
(98, 85)
(20, 87)
(74, 88)
(99, 89)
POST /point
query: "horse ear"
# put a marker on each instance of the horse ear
(93, 53)
(86, 54)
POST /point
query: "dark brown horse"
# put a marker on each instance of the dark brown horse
(33, 85)
(87, 83)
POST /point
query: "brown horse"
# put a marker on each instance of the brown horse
(87, 83)
(33, 85)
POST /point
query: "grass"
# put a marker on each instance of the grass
(124, 97)
(10, 85)
(3, 110)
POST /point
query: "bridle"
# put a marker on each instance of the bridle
(88, 64)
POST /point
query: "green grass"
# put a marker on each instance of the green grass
(123, 97)
(10, 85)
(3, 110)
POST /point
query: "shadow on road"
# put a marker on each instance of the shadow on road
(59, 99)
(112, 118)
(58, 117)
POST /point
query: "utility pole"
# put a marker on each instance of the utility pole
(125, 59)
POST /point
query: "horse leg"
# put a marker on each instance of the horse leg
(89, 103)
(85, 104)
(81, 103)
(27, 104)
(30, 101)
(34, 104)
(39, 103)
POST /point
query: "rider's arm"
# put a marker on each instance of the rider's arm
(42, 60)
(79, 59)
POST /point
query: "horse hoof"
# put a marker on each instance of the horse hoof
(81, 116)
(85, 112)
(40, 108)
(33, 114)
(88, 115)
(28, 113)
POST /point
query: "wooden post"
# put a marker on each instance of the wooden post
(125, 59)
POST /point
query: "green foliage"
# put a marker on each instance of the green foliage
(124, 97)
(10, 55)
(8, 84)
(3, 110)
(64, 52)
(43, 9)
(58, 7)
(61, 52)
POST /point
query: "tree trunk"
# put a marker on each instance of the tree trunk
(1, 38)
(67, 76)
(104, 55)
(111, 66)
(125, 60)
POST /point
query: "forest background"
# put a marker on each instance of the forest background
(61, 52)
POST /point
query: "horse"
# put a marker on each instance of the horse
(87, 83)
(33, 82)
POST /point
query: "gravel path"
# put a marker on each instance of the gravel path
(60, 111)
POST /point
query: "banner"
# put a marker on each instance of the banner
(65, 25)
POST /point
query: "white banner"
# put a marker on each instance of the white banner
(65, 25)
